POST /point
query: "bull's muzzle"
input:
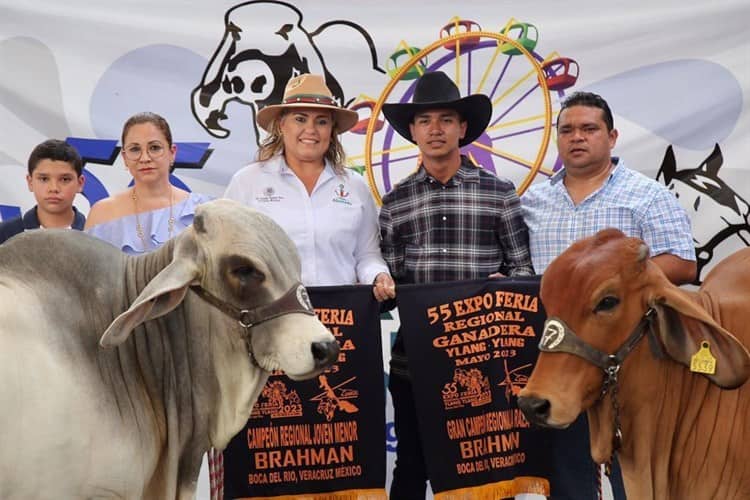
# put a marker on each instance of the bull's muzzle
(325, 353)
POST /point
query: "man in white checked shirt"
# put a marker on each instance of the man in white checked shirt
(594, 191)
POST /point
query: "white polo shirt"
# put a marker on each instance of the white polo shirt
(335, 228)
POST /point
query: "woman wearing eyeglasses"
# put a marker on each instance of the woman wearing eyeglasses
(152, 210)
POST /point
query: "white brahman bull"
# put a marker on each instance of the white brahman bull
(133, 421)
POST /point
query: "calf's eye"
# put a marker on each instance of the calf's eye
(607, 304)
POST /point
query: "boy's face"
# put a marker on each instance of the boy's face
(55, 185)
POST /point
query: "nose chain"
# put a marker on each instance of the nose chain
(139, 229)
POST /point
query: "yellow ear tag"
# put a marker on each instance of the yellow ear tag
(703, 361)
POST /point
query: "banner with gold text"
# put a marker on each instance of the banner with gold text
(321, 438)
(471, 347)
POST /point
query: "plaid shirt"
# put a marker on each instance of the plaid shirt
(468, 228)
(628, 200)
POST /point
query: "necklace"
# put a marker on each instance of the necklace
(139, 229)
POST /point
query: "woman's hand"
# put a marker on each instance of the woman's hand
(383, 288)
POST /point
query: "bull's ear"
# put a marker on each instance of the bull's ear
(163, 293)
(683, 325)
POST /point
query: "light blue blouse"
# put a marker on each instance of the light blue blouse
(121, 232)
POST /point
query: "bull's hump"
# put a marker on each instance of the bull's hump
(60, 262)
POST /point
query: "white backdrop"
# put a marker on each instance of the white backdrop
(674, 72)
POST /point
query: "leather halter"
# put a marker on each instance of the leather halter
(294, 301)
(559, 337)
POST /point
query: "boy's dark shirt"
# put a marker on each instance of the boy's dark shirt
(30, 220)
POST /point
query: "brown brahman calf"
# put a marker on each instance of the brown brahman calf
(665, 401)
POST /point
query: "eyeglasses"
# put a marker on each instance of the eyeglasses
(134, 152)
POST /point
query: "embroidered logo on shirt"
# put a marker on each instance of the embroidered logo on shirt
(269, 194)
(340, 195)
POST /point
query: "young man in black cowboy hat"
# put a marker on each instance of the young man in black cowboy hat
(481, 231)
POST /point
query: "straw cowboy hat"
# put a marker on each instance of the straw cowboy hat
(436, 90)
(308, 91)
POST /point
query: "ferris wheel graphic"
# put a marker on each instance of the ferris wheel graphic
(506, 67)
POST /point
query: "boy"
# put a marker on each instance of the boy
(55, 177)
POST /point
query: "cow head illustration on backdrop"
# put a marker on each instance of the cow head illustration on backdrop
(264, 45)
(715, 209)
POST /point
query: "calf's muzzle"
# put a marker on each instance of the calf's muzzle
(535, 409)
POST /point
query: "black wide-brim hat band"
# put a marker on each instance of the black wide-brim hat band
(435, 90)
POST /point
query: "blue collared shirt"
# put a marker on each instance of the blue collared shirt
(628, 200)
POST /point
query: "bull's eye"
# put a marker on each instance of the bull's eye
(248, 273)
(284, 30)
(607, 304)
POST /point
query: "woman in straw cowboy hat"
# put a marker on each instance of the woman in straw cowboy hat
(300, 181)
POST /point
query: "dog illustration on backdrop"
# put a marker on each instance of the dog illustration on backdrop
(715, 209)
(264, 45)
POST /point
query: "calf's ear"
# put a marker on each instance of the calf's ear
(684, 326)
(163, 293)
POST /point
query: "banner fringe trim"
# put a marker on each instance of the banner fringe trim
(502, 489)
(371, 494)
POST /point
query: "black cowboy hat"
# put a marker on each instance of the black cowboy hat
(436, 90)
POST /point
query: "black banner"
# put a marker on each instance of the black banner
(321, 438)
(471, 348)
